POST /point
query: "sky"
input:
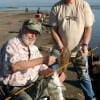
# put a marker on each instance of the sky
(32, 2)
(37, 2)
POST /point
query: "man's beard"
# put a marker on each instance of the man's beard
(26, 40)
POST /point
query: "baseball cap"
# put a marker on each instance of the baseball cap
(33, 25)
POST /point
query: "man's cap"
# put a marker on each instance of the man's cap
(33, 25)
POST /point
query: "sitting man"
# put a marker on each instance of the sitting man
(21, 62)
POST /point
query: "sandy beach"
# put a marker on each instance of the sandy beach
(10, 23)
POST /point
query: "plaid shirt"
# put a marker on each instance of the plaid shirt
(12, 52)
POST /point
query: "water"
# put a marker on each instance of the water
(22, 8)
(8, 5)
(95, 41)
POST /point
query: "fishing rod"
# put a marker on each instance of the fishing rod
(93, 49)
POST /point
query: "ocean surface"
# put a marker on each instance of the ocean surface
(95, 41)
(9, 5)
(32, 5)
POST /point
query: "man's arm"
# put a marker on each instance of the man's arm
(87, 35)
(86, 39)
(88, 26)
(23, 65)
(56, 37)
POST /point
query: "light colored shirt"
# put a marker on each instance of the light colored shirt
(12, 52)
(71, 19)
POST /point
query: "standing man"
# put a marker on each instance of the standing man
(71, 22)
(21, 62)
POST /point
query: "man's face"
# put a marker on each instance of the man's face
(29, 37)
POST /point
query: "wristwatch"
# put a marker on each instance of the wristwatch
(84, 44)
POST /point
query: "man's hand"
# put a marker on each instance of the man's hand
(85, 49)
(62, 49)
(48, 72)
(51, 60)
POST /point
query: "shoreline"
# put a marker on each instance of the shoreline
(35, 7)
(31, 8)
(23, 11)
